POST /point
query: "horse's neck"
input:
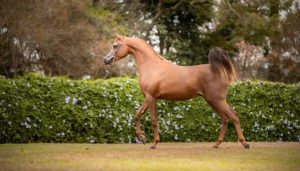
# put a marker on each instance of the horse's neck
(144, 55)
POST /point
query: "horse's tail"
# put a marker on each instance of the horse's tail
(221, 64)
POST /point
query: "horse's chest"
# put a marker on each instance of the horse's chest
(148, 87)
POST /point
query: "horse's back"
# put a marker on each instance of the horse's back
(200, 80)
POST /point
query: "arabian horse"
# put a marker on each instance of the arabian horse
(162, 79)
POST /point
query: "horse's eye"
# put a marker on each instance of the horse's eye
(115, 46)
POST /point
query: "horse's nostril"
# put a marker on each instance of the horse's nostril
(105, 61)
(108, 61)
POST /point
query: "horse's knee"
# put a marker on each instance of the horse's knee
(235, 120)
(234, 117)
(137, 118)
(224, 121)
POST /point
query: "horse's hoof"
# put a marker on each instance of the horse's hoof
(218, 142)
(247, 146)
(153, 147)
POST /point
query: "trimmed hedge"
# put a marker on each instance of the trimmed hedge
(35, 108)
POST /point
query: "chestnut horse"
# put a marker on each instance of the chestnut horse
(162, 79)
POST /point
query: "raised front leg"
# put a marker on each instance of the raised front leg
(138, 116)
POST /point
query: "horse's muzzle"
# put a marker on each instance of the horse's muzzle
(108, 59)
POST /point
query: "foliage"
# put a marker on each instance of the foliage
(177, 26)
(270, 25)
(108, 21)
(286, 68)
(252, 21)
(35, 108)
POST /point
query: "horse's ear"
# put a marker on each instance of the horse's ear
(119, 37)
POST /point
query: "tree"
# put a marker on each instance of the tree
(70, 37)
(55, 37)
(173, 27)
(251, 61)
(285, 66)
(258, 23)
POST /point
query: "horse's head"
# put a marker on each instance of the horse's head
(118, 51)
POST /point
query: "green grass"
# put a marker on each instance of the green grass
(168, 156)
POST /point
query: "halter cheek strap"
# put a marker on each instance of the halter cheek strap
(113, 62)
(116, 53)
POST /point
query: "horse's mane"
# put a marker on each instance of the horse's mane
(150, 47)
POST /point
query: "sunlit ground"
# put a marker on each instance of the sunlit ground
(168, 156)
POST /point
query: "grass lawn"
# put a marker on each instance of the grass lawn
(168, 156)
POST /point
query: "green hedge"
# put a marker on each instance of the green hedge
(35, 108)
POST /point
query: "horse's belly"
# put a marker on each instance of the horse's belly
(180, 83)
(177, 94)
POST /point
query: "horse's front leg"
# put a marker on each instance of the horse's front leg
(138, 116)
(153, 112)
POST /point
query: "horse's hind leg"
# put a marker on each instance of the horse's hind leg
(224, 121)
(234, 117)
(138, 116)
(223, 108)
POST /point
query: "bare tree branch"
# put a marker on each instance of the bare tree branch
(229, 5)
